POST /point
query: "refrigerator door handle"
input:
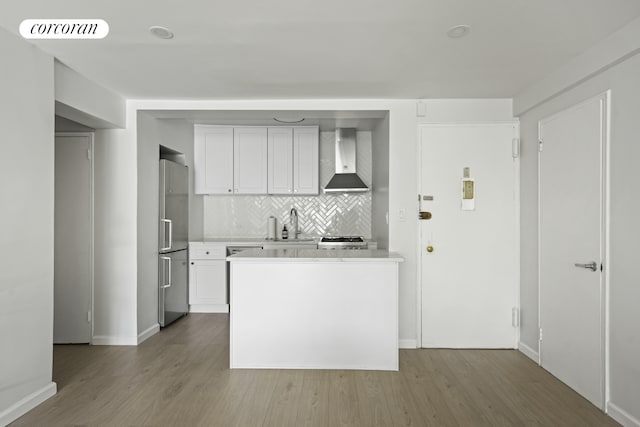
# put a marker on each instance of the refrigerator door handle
(165, 222)
(168, 285)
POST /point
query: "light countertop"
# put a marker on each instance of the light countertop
(315, 255)
(251, 240)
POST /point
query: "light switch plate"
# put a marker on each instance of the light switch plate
(402, 215)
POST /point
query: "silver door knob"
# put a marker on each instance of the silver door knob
(593, 266)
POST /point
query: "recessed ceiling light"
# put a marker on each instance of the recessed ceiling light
(161, 32)
(458, 31)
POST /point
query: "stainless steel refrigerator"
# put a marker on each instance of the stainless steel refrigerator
(173, 292)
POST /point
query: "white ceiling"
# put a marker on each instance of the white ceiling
(326, 49)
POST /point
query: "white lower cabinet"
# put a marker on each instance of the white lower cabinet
(208, 274)
(208, 291)
(209, 281)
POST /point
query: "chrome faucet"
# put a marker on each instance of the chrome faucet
(293, 220)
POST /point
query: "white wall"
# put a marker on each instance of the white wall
(148, 213)
(83, 101)
(623, 80)
(613, 50)
(66, 125)
(403, 190)
(467, 110)
(26, 252)
(380, 196)
(115, 244)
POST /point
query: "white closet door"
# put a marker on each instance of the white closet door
(571, 231)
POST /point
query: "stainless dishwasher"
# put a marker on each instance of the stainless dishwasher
(232, 250)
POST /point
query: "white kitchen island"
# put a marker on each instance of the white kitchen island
(314, 309)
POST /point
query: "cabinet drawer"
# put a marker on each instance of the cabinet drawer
(219, 252)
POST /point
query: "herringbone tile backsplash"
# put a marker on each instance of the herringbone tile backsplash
(341, 214)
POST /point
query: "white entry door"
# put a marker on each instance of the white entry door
(73, 239)
(571, 232)
(469, 247)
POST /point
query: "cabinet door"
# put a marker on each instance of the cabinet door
(208, 282)
(280, 155)
(213, 159)
(250, 160)
(305, 160)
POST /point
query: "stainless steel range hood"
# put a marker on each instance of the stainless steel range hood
(346, 180)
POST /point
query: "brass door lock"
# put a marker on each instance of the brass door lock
(429, 249)
(424, 215)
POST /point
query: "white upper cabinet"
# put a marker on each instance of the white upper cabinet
(293, 160)
(213, 159)
(280, 154)
(250, 160)
(256, 160)
(305, 160)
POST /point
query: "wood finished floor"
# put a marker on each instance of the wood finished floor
(180, 377)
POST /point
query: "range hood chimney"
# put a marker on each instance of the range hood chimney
(346, 180)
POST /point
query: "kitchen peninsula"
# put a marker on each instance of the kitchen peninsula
(314, 309)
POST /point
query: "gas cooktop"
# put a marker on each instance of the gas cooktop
(342, 242)
(342, 239)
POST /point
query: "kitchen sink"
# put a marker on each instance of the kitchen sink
(304, 243)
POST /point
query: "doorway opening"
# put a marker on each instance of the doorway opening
(73, 238)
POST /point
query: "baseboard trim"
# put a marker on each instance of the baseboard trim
(622, 416)
(209, 308)
(114, 340)
(529, 352)
(27, 403)
(148, 333)
(406, 344)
